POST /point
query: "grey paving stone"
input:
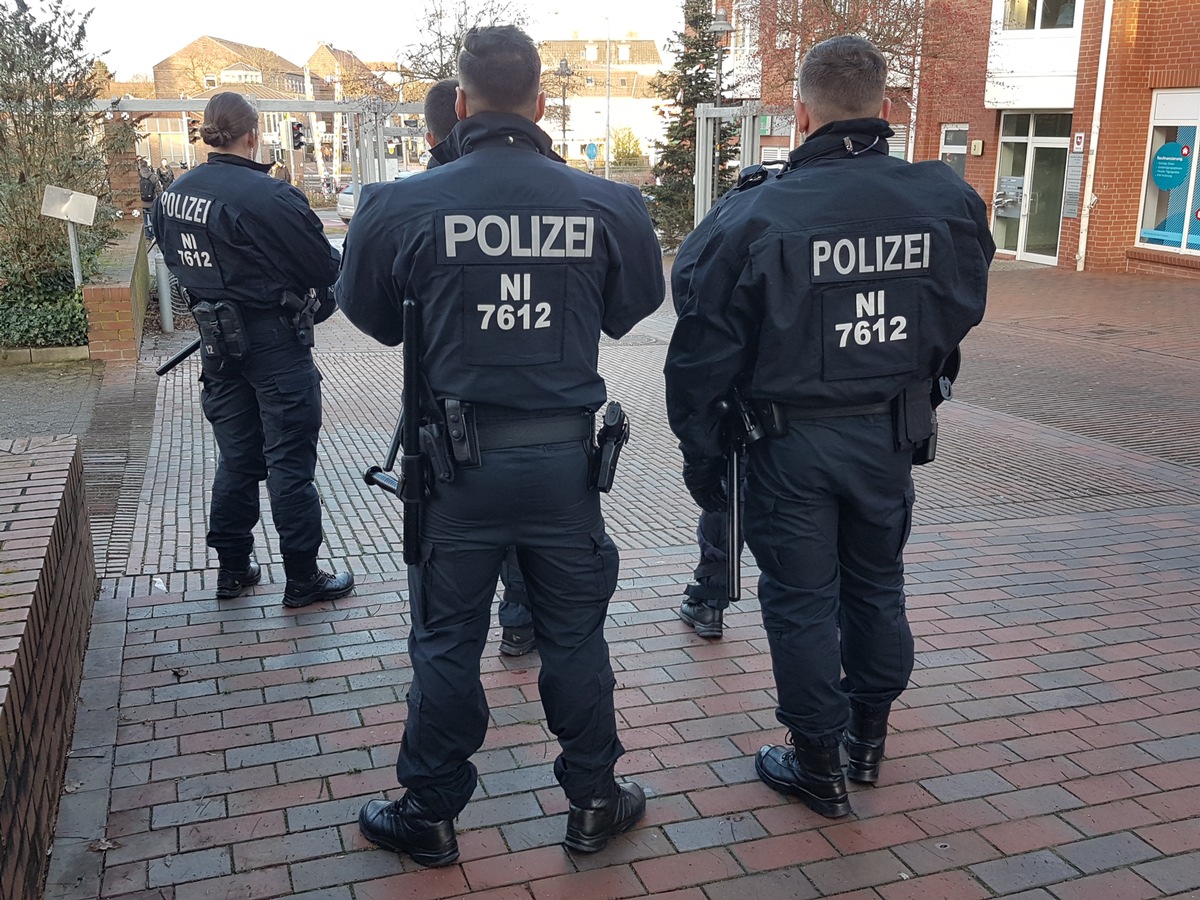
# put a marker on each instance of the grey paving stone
(965, 786)
(1174, 874)
(1022, 872)
(719, 831)
(1109, 852)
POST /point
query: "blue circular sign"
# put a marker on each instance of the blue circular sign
(1170, 165)
(592, 151)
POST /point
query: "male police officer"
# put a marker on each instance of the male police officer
(832, 293)
(247, 248)
(518, 263)
(516, 621)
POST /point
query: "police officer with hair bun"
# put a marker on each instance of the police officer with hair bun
(258, 270)
(830, 296)
(516, 264)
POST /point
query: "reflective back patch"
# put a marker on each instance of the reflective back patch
(870, 332)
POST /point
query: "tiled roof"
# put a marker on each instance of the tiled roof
(272, 59)
(250, 89)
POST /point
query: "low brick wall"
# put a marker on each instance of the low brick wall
(116, 299)
(47, 589)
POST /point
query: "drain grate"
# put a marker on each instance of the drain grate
(115, 450)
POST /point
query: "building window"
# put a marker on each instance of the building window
(623, 53)
(591, 53)
(1170, 216)
(589, 81)
(623, 82)
(1027, 15)
(210, 81)
(953, 151)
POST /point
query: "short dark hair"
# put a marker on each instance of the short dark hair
(440, 115)
(227, 117)
(843, 78)
(500, 68)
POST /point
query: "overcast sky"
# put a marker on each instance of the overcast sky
(139, 34)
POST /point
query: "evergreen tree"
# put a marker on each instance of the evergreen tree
(691, 81)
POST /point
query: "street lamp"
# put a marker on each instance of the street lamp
(607, 94)
(564, 72)
(720, 27)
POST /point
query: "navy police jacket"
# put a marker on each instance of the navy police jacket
(516, 261)
(839, 282)
(230, 231)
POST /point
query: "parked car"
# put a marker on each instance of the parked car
(346, 200)
(345, 203)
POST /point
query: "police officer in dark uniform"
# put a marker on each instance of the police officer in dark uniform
(257, 268)
(517, 263)
(516, 621)
(831, 294)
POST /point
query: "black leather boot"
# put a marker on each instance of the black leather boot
(707, 620)
(317, 587)
(234, 578)
(864, 742)
(404, 826)
(590, 825)
(812, 773)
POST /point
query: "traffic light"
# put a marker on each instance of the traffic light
(193, 127)
(297, 135)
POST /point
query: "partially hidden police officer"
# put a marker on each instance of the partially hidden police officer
(831, 294)
(516, 621)
(518, 263)
(257, 268)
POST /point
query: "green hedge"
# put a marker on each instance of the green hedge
(50, 314)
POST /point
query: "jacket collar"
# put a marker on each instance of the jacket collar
(233, 159)
(849, 137)
(491, 129)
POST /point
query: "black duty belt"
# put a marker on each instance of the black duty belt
(499, 434)
(828, 412)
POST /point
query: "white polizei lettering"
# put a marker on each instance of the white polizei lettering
(848, 266)
(576, 236)
(556, 224)
(821, 252)
(925, 256)
(587, 241)
(862, 257)
(458, 230)
(893, 242)
(912, 251)
(514, 225)
(527, 287)
(188, 241)
(482, 236)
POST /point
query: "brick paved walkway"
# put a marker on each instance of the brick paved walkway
(1049, 746)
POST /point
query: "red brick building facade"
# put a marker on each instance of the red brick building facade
(1039, 164)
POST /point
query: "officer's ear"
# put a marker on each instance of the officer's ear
(460, 103)
(541, 106)
(885, 112)
(803, 119)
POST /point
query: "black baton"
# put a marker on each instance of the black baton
(733, 522)
(178, 358)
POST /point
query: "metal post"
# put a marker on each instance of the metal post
(166, 314)
(352, 149)
(607, 95)
(76, 268)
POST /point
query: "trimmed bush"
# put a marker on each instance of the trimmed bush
(47, 315)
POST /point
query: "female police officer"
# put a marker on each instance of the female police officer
(247, 247)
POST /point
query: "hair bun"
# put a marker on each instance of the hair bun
(214, 135)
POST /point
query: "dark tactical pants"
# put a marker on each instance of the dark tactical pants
(537, 500)
(828, 511)
(266, 414)
(514, 603)
(710, 579)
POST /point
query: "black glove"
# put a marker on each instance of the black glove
(705, 480)
(327, 307)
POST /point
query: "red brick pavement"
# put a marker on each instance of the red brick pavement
(1048, 747)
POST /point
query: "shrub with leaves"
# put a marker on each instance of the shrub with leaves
(49, 135)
